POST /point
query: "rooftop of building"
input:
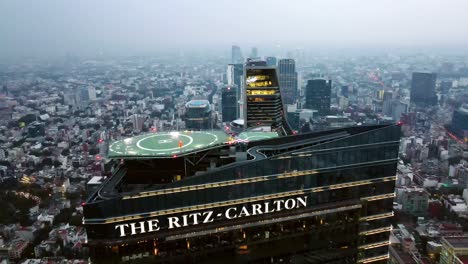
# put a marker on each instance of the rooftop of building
(463, 109)
(198, 104)
(457, 241)
(168, 144)
(401, 255)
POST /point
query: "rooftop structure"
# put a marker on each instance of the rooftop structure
(198, 115)
(263, 104)
(255, 197)
(454, 250)
(168, 144)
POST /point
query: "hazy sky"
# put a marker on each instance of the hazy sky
(80, 26)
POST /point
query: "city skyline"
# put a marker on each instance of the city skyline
(55, 28)
(257, 131)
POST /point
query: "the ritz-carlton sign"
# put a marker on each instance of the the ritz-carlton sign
(205, 217)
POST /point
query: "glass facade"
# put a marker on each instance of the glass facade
(318, 92)
(263, 103)
(229, 103)
(346, 185)
(423, 88)
(288, 80)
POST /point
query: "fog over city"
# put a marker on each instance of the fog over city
(54, 28)
(233, 131)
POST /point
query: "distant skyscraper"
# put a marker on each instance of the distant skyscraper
(137, 121)
(345, 91)
(237, 55)
(235, 77)
(271, 61)
(387, 103)
(445, 86)
(84, 94)
(254, 53)
(423, 88)
(459, 124)
(318, 93)
(69, 98)
(198, 115)
(398, 109)
(91, 93)
(234, 74)
(288, 80)
(229, 103)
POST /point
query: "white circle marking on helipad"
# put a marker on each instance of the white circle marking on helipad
(138, 144)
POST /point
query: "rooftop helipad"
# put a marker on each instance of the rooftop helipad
(166, 144)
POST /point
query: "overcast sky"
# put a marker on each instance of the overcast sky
(79, 26)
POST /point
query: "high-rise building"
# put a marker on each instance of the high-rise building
(69, 98)
(423, 89)
(185, 197)
(318, 92)
(445, 86)
(229, 103)
(263, 105)
(234, 74)
(236, 55)
(288, 80)
(254, 53)
(84, 94)
(345, 91)
(92, 93)
(454, 250)
(459, 125)
(271, 61)
(387, 103)
(398, 109)
(235, 77)
(198, 115)
(138, 121)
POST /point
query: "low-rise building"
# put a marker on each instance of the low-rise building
(454, 250)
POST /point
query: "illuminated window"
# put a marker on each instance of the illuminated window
(259, 84)
(261, 92)
(256, 99)
(255, 78)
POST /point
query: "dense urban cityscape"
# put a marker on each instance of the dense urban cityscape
(58, 122)
(184, 132)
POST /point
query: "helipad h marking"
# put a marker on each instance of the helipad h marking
(159, 135)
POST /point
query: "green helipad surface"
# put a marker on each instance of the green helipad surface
(167, 144)
(252, 136)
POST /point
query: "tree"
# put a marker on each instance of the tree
(64, 216)
(46, 152)
(57, 163)
(27, 119)
(65, 152)
(47, 162)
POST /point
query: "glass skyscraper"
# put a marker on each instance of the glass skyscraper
(318, 92)
(423, 88)
(236, 55)
(229, 104)
(288, 80)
